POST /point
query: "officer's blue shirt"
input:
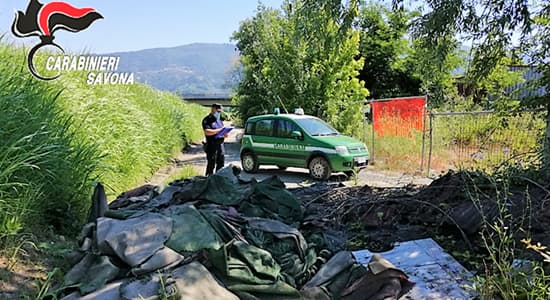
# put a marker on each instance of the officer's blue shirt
(210, 122)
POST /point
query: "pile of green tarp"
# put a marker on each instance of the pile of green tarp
(214, 237)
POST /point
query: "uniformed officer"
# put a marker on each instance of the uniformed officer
(215, 150)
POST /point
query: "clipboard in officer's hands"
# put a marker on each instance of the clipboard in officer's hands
(223, 132)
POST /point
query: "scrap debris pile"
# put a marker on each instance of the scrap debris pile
(219, 237)
(379, 217)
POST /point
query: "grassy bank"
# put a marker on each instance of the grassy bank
(135, 128)
(59, 137)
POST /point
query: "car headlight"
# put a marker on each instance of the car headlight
(342, 150)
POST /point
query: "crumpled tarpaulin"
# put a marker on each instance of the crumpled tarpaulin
(99, 203)
(265, 199)
(188, 282)
(134, 198)
(133, 240)
(281, 231)
(91, 273)
(165, 197)
(164, 258)
(343, 278)
(287, 246)
(382, 281)
(195, 282)
(269, 200)
(333, 277)
(108, 292)
(250, 272)
(215, 189)
(338, 263)
(155, 287)
(191, 231)
(244, 233)
(226, 221)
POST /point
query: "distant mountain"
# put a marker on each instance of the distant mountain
(188, 69)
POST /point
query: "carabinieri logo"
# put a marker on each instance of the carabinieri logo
(43, 20)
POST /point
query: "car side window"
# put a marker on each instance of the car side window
(264, 127)
(249, 129)
(285, 128)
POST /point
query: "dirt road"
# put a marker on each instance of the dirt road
(292, 177)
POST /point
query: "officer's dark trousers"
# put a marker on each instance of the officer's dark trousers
(215, 155)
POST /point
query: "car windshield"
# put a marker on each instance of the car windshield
(316, 127)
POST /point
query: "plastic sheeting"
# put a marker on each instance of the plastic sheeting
(438, 276)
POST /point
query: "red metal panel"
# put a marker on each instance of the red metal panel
(398, 116)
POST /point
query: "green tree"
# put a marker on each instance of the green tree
(434, 62)
(493, 27)
(539, 51)
(402, 62)
(489, 25)
(495, 84)
(388, 70)
(302, 55)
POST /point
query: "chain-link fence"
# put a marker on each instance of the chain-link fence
(452, 140)
(481, 139)
(392, 129)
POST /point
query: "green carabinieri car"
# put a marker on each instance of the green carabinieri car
(291, 140)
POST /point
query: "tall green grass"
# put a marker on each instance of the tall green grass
(45, 170)
(58, 137)
(135, 128)
(394, 153)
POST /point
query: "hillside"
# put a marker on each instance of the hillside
(188, 69)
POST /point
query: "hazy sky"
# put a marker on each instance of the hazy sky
(136, 24)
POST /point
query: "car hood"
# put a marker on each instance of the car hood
(340, 140)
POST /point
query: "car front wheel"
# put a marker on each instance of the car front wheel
(319, 168)
(249, 162)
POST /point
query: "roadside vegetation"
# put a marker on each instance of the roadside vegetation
(59, 137)
(135, 128)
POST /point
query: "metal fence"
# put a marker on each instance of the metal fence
(482, 139)
(455, 140)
